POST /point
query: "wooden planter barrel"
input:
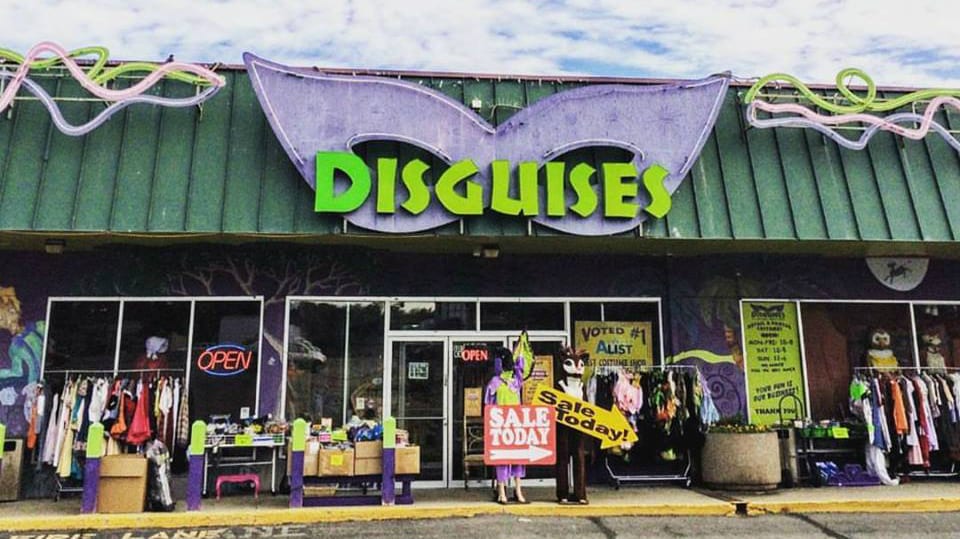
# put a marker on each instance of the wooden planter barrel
(740, 461)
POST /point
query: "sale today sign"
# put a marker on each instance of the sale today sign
(519, 434)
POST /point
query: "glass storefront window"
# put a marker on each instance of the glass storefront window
(365, 361)
(317, 338)
(229, 387)
(330, 343)
(514, 316)
(938, 335)
(166, 324)
(433, 316)
(82, 335)
(837, 337)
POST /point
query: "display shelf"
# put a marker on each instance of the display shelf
(244, 440)
(362, 482)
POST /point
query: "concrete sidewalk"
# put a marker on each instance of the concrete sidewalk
(440, 503)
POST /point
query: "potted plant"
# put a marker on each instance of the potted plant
(738, 456)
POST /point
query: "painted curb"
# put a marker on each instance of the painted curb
(912, 505)
(276, 517)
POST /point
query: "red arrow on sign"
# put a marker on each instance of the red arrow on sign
(519, 434)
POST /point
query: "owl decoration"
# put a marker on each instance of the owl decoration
(879, 353)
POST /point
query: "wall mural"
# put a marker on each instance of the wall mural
(701, 295)
(21, 348)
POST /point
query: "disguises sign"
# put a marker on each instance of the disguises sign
(609, 426)
(519, 434)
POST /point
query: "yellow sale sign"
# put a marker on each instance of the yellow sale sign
(608, 425)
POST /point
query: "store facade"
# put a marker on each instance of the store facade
(197, 226)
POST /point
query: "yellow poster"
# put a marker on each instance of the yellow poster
(542, 373)
(615, 344)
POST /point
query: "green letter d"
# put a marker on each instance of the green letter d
(358, 174)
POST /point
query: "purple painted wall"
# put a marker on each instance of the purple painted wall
(701, 317)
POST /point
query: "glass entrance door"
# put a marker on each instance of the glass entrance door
(436, 394)
(419, 403)
(472, 367)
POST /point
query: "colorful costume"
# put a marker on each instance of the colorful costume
(506, 387)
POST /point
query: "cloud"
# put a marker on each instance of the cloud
(897, 43)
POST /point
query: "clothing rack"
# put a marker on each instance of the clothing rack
(685, 476)
(952, 471)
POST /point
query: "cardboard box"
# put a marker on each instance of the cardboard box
(408, 460)
(335, 462)
(369, 466)
(368, 450)
(473, 402)
(310, 458)
(123, 484)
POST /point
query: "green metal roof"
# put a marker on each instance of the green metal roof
(219, 169)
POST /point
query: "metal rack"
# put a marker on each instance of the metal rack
(685, 476)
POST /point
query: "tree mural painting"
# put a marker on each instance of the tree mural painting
(273, 274)
(707, 322)
(19, 363)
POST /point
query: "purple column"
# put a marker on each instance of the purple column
(388, 485)
(298, 444)
(296, 479)
(91, 470)
(195, 454)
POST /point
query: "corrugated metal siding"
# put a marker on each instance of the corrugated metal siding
(220, 169)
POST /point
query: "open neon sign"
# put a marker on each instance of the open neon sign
(225, 360)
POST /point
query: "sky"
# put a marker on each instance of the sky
(914, 43)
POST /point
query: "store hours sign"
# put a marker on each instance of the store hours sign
(773, 364)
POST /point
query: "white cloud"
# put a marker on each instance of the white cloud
(897, 43)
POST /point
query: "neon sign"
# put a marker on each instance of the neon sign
(620, 193)
(853, 112)
(471, 354)
(225, 360)
(95, 80)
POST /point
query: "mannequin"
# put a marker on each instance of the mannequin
(510, 370)
(155, 356)
(571, 444)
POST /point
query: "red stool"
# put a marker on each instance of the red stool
(240, 478)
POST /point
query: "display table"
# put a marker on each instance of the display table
(242, 450)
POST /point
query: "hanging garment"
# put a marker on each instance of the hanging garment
(165, 405)
(914, 455)
(899, 410)
(139, 431)
(927, 416)
(50, 439)
(923, 409)
(183, 421)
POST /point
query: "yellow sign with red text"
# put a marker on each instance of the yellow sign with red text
(608, 425)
